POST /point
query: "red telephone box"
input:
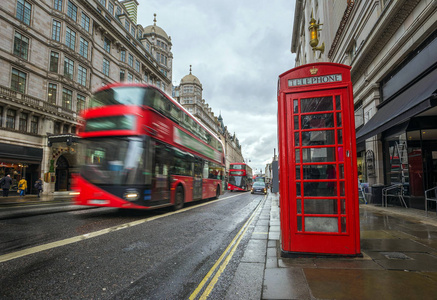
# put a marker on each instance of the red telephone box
(317, 161)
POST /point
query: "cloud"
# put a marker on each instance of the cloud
(237, 49)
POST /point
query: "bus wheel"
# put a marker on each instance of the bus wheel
(179, 198)
(217, 192)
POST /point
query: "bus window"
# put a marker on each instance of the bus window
(205, 170)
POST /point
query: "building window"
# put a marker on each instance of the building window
(22, 122)
(106, 67)
(34, 125)
(18, 81)
(21, 45)
(118, 10)
(53, 90)
(111, 7)
(68, 68)
(57, 128)
(54, 59)
(103, 2)
(85, 22)
(65, 128)
(1, 116)
(132, 31)
(130, 60)
(80, 103)
(107, 45)
(126, 25)
(23, 11)
(70, 39)
(137, 65)
(130, 77)
(148, 47)
(121, 75)
(81, 75)
(56, 31)
(83, 49)
(146, 78)
(10, 119)
(72, 11)
(67, 97)
(58, 5)
(123, 55)
(140, 34)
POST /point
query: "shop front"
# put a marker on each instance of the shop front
(401, 138)
(20, 162)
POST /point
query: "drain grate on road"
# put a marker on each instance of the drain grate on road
(395, 255)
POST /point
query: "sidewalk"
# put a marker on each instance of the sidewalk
(15, 200)
(399, 248)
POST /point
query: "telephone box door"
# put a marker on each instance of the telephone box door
(319, 152)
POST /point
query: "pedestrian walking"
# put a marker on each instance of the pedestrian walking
(22, 186)
(38, 187)
(5, 184)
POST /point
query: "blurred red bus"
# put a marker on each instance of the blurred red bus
(240, 177)
(141, 149)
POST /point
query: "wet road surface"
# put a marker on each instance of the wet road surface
(137, 255)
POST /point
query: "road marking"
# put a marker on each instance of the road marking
(224, 259)
(75, 239)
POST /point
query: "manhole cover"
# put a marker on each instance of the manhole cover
(395, 255)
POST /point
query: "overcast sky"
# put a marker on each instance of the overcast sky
(237, 49)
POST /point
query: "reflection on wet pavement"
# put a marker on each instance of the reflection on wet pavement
(399, 248)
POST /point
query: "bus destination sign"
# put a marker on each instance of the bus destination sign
(315, 80)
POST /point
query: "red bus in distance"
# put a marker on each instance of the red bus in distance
(240, 177)
(141, 149)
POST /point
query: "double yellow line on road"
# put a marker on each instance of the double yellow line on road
(212, 276)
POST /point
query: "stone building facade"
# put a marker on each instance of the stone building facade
(53, 55)
(390, 46)
(189, 94)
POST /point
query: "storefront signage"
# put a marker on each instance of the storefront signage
(315, 80)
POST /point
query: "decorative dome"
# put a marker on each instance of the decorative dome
(190, 78)
(153, 29)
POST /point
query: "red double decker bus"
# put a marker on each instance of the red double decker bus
(240, 177)
(141, 149)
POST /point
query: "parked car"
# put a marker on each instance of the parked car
(259, 187)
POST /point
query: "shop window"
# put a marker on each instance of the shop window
(22, 125)
(10, 119)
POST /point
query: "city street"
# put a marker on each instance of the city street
(102, 253)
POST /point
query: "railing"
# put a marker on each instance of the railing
(36, 103)
(398, 192)
(429, 197)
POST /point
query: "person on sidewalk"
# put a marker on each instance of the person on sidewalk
(22, 186)
(5, 184)
(38, 186)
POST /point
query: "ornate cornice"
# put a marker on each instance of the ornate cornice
(383, 31)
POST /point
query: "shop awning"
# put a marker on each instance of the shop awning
(411, 102)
